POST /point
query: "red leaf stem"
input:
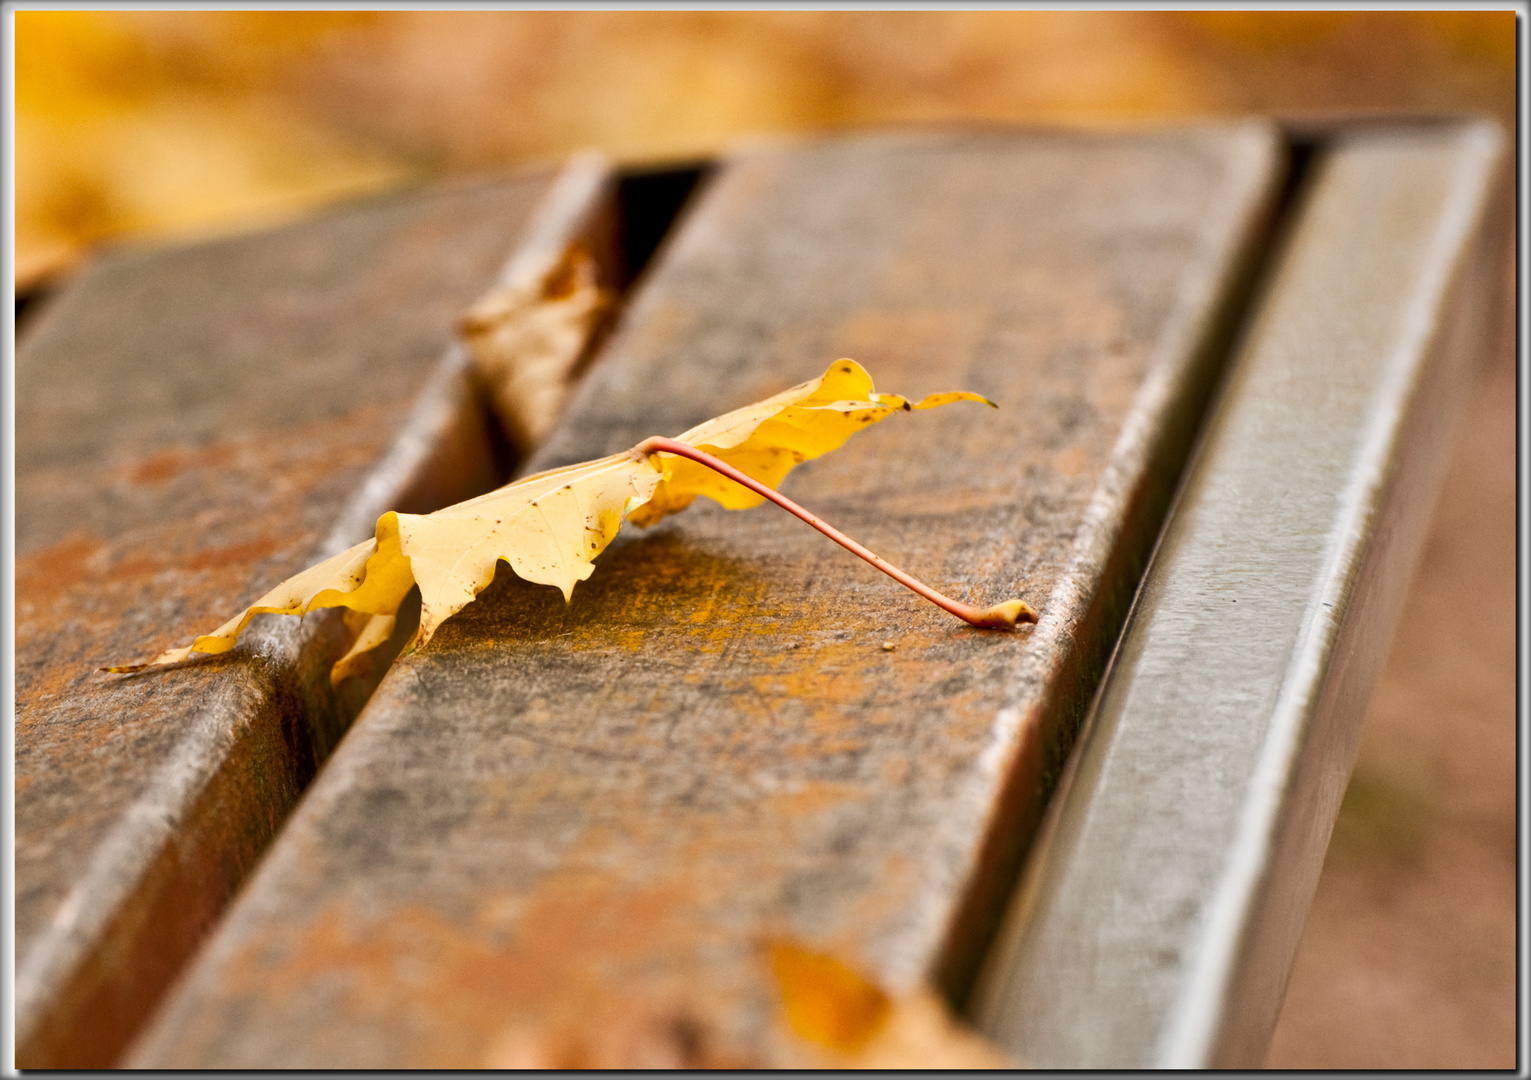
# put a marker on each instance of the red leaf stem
(1001, 616)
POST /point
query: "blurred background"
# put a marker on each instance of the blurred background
(157, 122)
(176, 124)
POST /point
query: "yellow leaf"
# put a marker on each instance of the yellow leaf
(851, 1022)
(371, 631)
(767, 439)
(825, 1001)
(527, 336)
(550, 527)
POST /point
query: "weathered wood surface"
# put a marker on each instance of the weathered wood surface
(192, 425)
(562, 834)
(1159, 915)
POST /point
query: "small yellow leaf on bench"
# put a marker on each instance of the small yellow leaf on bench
(825, 1001)
(858, 1025)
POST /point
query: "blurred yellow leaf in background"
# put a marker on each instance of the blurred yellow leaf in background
(169, 122)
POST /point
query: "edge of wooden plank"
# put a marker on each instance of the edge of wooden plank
(157, 884)
(1147, 465)
(1182, 960)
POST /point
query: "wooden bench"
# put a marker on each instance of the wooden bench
(571, 834)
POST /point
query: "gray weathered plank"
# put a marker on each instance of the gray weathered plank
(1159, 914)
(194, 424)
(562, 834)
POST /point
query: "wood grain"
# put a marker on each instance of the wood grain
(565, 834)
(191, 423)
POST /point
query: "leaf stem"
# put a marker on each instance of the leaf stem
(1003, 615)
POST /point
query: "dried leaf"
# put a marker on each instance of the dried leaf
(851, 1022)
(527, 336)
(767, 439)
(550, 527)
(825, 1001)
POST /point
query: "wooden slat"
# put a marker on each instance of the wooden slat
(564, 834)
(1157, 923)
(193, 425)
